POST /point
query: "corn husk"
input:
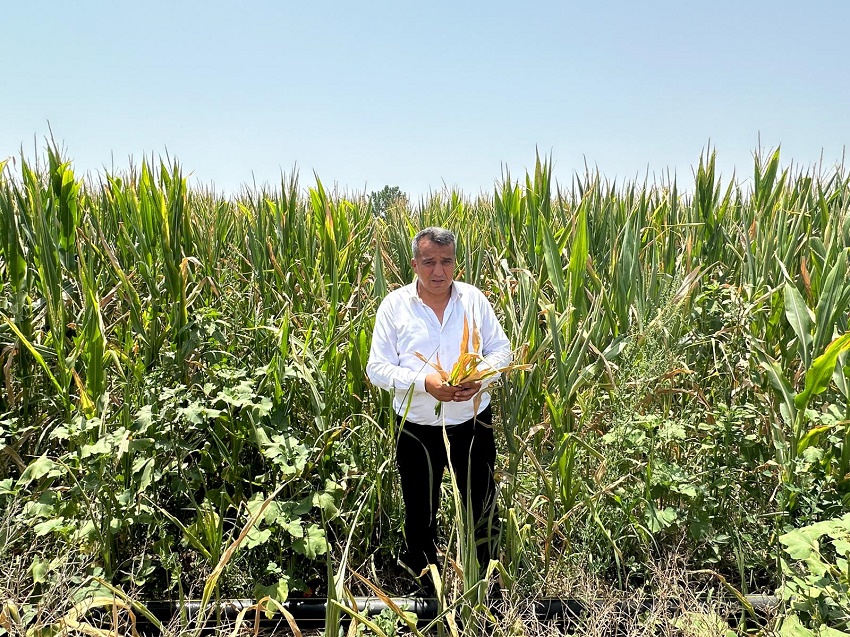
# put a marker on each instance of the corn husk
(470, 366)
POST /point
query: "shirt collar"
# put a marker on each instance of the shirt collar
(414, 292)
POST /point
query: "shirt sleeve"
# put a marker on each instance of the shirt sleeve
(383, 367)
(495, 346)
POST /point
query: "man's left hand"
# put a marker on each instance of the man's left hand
(466, 391)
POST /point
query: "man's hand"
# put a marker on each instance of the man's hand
(466, 391)
(439, 389)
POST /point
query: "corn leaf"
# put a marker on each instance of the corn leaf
(819, 374)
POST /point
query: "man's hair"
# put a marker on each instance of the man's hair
(440, 236)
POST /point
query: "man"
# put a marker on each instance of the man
(427, 317)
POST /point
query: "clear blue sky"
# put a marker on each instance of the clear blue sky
(425, 94)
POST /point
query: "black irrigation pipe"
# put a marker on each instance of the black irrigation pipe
(309, 612)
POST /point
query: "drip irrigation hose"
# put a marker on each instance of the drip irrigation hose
(310, 611)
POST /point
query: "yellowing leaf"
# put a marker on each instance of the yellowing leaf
(468, 366)
(464, 341)
(443, 374)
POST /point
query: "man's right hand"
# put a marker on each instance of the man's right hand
(435, 386)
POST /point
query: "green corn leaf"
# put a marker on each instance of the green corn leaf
(799, 316)
(554, 266)
(66, 195)
(12, 246)
(819, 374)
(378, 269)
(841, 375)
(811, 437)
(38, 357)
(832, 303)
(190, 537)
(779, 383)
(627, 272)
(578, 265)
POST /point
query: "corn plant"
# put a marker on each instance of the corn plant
(170, 355)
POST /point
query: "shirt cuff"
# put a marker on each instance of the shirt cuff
(419, 382)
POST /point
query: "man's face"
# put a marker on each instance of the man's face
(435, 267)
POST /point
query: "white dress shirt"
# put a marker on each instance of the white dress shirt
(404, 325)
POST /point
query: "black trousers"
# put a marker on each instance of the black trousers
(421, 459)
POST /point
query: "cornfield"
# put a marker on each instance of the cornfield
(184, 410)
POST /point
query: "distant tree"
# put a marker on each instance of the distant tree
(382, 200)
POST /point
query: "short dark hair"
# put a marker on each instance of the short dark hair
(440, 236)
